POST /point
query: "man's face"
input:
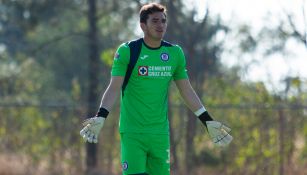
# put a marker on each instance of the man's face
(155, 26)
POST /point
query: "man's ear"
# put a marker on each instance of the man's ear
(143, 26)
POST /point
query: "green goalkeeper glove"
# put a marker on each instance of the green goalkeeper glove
(92, 126)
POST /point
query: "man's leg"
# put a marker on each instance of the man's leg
(133, 154)
(158, 161)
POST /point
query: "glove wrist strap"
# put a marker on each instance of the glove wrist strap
(200, 111)
(204, 117)
(102, 112)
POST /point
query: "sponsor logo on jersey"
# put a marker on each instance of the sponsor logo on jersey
(160, 71)
(155, 71)
(143, 70)
(164, 57)
(116, 56)
(125, 165)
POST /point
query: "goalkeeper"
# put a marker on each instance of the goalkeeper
(144, 124)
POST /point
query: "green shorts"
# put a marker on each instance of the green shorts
(145, 153)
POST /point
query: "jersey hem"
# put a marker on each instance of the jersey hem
(145, 132)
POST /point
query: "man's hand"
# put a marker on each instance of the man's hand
(219, 133)
(91, 129)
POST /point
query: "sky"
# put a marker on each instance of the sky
(274, 69)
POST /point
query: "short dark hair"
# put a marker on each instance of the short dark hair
(150, 8)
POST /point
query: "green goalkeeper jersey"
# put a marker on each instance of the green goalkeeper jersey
(144, 105)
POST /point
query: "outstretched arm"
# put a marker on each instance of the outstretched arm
(192, 100)
(92, 126)
(188, 94)
(112, 92)
(218, 132)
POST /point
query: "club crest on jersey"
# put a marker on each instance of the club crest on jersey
(125, 166)
(164, 57)
(143, 70)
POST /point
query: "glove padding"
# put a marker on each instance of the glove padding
(219, 133)
(91, 129)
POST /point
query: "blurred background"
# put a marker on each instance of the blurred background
(247, 60)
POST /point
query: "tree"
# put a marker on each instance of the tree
(93, 91)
